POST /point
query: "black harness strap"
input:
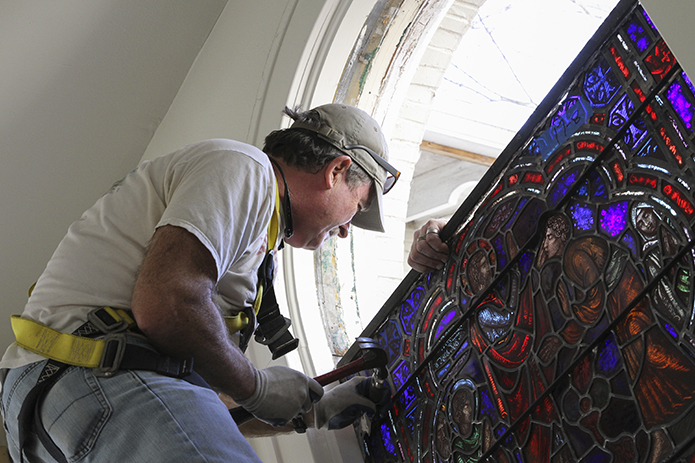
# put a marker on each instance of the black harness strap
(123, 351)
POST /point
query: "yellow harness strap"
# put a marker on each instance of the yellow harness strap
(239, 321)
(63, 347)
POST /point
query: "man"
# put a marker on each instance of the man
(179, 243)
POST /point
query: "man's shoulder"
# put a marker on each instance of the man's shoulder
(223, 145)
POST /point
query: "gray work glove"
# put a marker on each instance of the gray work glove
(281, 394)
(344, 404)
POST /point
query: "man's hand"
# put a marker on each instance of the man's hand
(344, 404)
(428, 253)
(281, 394)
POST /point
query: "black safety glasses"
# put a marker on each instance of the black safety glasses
(393, 173)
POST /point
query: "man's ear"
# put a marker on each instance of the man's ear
(337, 170)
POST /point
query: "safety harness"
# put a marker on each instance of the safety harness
(121, 346)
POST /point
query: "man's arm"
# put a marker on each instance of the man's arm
(173, 304)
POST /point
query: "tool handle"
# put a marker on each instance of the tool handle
(339, 373)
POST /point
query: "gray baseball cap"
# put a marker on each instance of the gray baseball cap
(358, 135)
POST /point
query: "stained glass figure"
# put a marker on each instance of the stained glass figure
(562, 327)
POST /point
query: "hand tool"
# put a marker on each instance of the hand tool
(373, 357)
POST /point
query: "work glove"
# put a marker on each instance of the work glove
(281, 394)
(344, 404)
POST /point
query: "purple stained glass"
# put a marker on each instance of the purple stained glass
(638, 37)
(613, 218)
(681, 105)
(582, 217)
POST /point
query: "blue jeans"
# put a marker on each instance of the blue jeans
(133, 416)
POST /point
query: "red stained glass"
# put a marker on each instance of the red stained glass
(533, 177)
(660, 61)
(621, 64)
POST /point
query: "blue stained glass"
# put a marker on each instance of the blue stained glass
(649, 20)
(498, 242)
(390, 339)
(444, 370)
(608, 360)
(582, 217)
(411, 421)
(387, 438)
(444, 322)
(573, 113)
(410, 308)
(473, 371)
(671, 330)
(649, 148)
(525, 263)
(561, 188)
(487, 407)
(401, 374)
(621, 112)
(638, 36)
(599, 186)
(613, 218)
(408, 397)
(597, 455)
(583, 190)
(600, 85)
(635, 133)
(681, 105)
(629, 241)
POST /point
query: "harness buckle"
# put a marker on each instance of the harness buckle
(108, 320)
(114, 348)
(176, 368)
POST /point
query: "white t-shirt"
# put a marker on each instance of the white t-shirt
(222, 191)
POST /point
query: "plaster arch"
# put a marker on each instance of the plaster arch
(392, 72)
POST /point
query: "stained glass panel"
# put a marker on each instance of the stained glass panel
(561, 328)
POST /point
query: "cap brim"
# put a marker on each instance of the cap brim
(373, 218)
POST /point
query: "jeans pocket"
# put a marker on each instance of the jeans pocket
(75, 411)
